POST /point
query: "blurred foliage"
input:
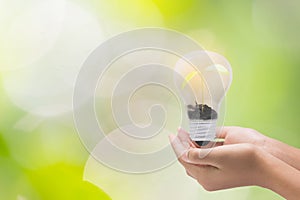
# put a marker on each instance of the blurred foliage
(260, 39)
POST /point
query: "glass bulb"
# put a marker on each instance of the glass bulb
(204, 79)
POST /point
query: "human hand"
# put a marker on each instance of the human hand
(237, 135)
(234, 165)
(220, 167)
(282, 151)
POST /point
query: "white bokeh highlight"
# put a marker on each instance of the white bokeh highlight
(45, 88)
(28, 31)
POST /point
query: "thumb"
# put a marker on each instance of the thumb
(214, 156)
(209, 156)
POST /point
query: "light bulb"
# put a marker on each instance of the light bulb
(204, 79)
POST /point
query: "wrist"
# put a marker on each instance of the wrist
(278, 176)
(263, 172)
(269, 145)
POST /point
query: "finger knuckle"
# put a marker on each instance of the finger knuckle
(209, 188)
(249, 130)
(182, 163)
(188, 173)
(193, 155)
(249, 150)
(207, 185)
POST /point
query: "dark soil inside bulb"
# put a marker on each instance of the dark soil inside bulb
(201, 143)
(201, 111)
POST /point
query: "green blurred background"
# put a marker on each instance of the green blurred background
(43, 43)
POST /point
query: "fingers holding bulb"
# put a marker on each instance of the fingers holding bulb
(184, 137)
(179, 148)
(187, 153)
